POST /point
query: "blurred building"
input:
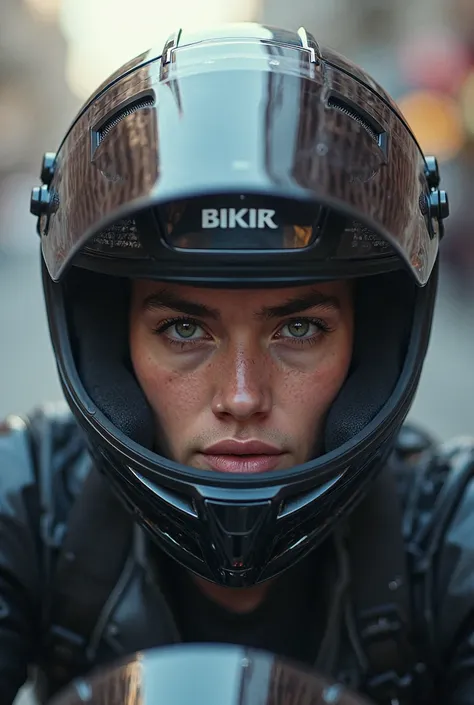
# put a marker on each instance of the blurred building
(36, 106)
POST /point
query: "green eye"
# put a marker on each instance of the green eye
(185, 329)
(298, 329)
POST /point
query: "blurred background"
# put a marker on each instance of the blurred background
(54, 53)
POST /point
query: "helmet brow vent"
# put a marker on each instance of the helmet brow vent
(344, 106)
(143, 102)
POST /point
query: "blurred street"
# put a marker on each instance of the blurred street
(28, 373)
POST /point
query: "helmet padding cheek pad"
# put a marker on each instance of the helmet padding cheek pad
(100, 313)
(384, 308)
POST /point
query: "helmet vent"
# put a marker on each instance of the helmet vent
(143, 102)
(343, 106)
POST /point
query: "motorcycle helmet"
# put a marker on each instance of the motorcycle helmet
(240, 157)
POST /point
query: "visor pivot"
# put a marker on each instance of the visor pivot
(40, 200)
(439, 205)
(432, 172)
(171, 43)
(47, 167)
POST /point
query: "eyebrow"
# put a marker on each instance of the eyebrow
(299, 304)
(166, 299)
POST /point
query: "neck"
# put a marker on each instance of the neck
(238, 600)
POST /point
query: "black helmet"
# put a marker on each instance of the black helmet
(322, 179)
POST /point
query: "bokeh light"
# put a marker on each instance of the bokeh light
(104, 35)
(436, 121)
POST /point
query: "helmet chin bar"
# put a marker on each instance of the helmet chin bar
(235, 530)
(238, 542)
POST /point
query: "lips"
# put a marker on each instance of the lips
(242, 456)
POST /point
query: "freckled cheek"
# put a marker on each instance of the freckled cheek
(174, 397)
(307, 396)
(306, 392)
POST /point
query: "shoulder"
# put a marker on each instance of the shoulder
(437, 492)
(35, 451)
(16, 462)
(43, 461)
(58, 445)
(450, 541)
(413, 452)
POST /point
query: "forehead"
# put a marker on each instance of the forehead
(220, 298)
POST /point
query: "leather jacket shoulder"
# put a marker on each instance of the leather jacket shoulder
(439, 534)
(42, 464)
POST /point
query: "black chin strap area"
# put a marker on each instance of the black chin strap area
(371, 603)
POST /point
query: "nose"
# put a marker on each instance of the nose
(243, 389)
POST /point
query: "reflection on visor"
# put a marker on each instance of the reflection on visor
(195, 227)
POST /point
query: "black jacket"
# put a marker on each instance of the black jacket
(43, 467)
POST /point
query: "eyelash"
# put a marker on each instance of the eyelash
(324, 328)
